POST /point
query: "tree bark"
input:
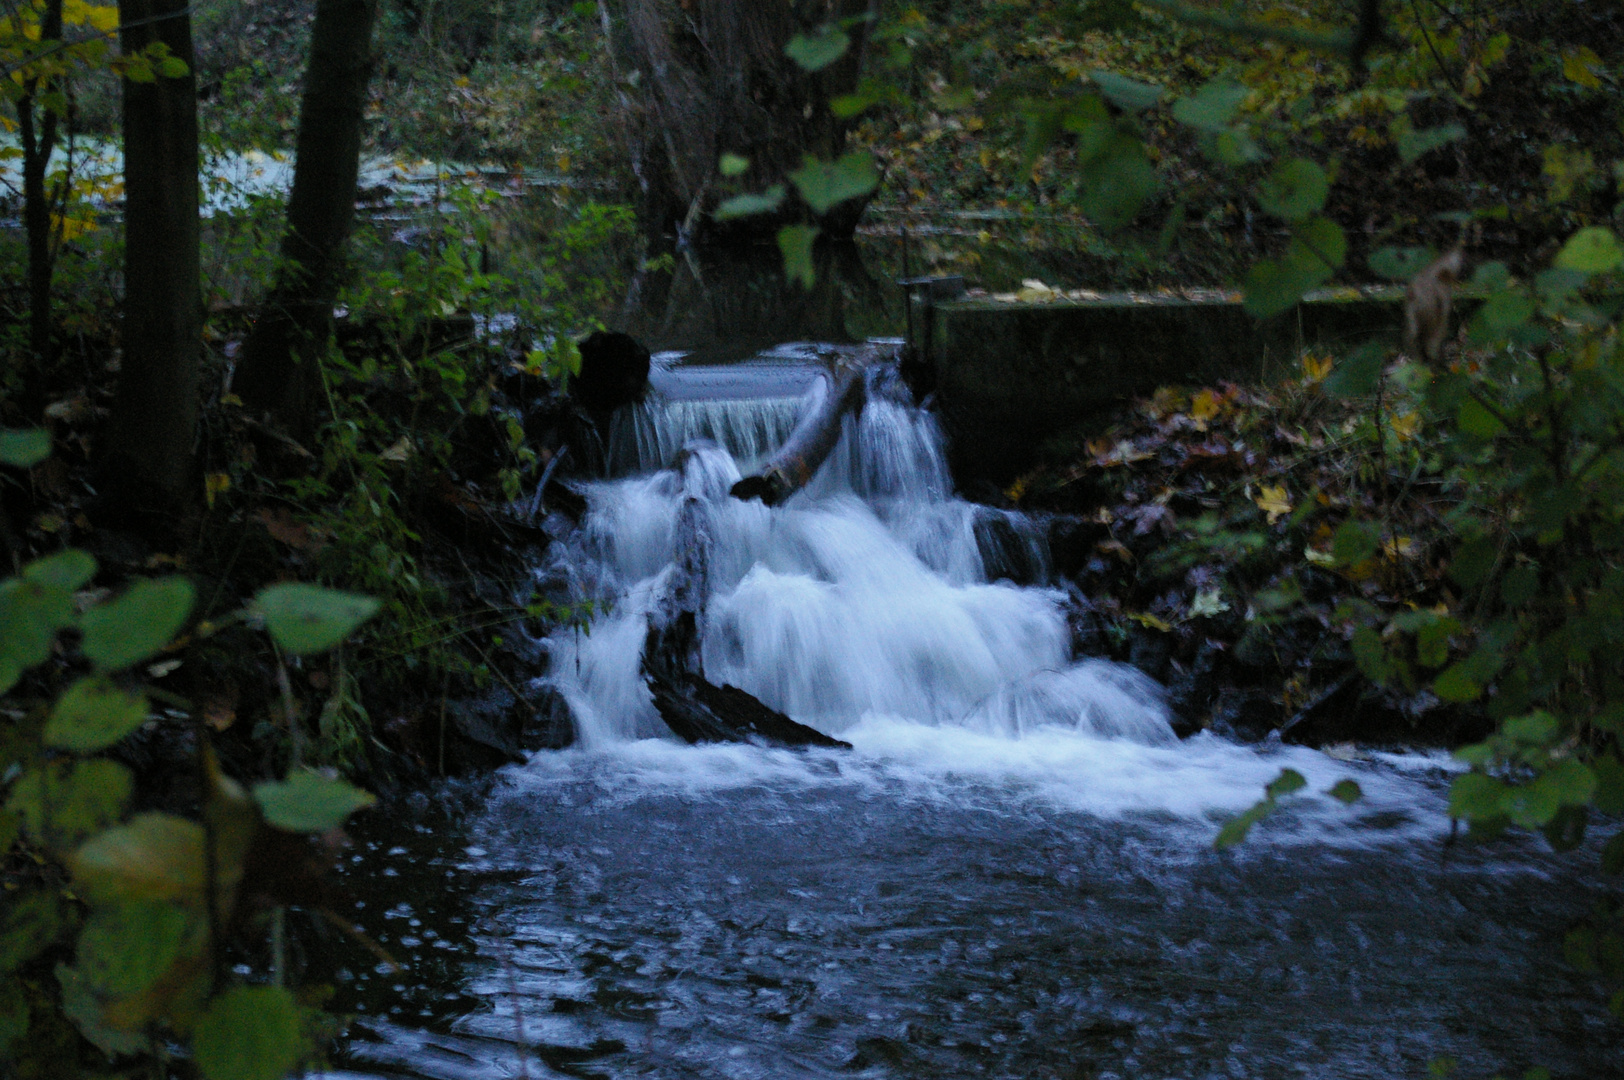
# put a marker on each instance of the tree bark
(697, 78)
(280, 367)
(37, 132)
(154, 418)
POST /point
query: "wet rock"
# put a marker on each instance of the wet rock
(1244, 713)
(496, 730)
(1088, 636)
(1150, 650)
(1009, 550)
(1071, 542)
(1351, 710)
(550, 725)
(1191, 689)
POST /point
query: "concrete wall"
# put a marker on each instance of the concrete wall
(1011, 375)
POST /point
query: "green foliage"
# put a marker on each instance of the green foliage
(155, 889)
(814, 52)
(249, 1033)
(24, 448)
(1289, 782)
(309, 802)
(307, 619)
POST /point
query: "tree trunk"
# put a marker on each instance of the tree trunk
(280, 368)
(699, 78)
(155, 411)
(37, 125)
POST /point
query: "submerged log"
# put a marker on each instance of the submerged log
(699, 711)
(694, 708)
(797, 461)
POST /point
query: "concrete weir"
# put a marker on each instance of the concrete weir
(1010, 375)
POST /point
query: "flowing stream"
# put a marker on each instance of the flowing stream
(1010, 875)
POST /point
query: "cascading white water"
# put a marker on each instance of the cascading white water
(865, 595)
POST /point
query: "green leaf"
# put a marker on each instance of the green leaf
(308, 618)
(173, 67)
(1473, 561)
(125, 948)
(309, 802)
(1459, 683)
(1116, 183)
(1530, 805)
(1317, 248)
(826, 184)
(1538, 728)
(816, 51)
(749, 205)
(1345, 791)
(1432, 642)
(1354, 541)
(24, 448)
(1491, 276)
(1474, 796)
(1519, 585)
(1591, 250)
(29, 926)
(1212, 107)
(153, 857)
(1475, 420)
(1357, 374)
(13, 1016)
(1125, 93)
(67, 570)
(732, 165)
(1499, 315)
(1288, 781)
(1400, 263)
(30, 615)
(795, 241)
(249, 1033)
(1570, 781)
(1612, 854)
(93, 715)
(1609, 784)
(61, 803)
(81, 1005)
(1294, 190)
(1319, 243)
(138, 624)
(1412, 144)
(1236, 828)
(1237, 148)
(1273, 286)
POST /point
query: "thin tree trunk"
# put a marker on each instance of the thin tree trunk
(154, 419)
(37, 124)
(279, 371)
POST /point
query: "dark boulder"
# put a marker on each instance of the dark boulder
(614, 371)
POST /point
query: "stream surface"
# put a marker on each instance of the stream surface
(1010, 875)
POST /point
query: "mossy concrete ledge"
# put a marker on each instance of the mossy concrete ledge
(1011, 375)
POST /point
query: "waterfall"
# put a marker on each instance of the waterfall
(873, 592)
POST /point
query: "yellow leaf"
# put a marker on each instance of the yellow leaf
(1582, 66)
(1272, 500)
(1205, 405)
(1319, 558)
(215, 484)
(1315, 368)
(1399, 547)
(1151, 621)
(1406, 427)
